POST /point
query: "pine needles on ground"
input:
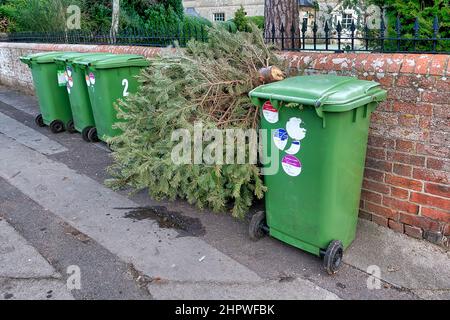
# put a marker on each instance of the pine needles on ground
(206, 82)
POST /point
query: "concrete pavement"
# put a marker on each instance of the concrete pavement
(24, 273)
(62, 186)
(418, 265)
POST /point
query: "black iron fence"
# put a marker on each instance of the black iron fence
(353, 37)
(152, 38)
(326, 37)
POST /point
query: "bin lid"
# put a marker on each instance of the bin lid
(47, 58)
(121, 60)
(332, 93)
(87, 60)
(69, 57)
(42, 57)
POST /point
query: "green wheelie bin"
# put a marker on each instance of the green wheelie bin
(108, 80)
(83, 119)
(51, 91)
(315, 138)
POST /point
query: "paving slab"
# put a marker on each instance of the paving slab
(22, 102)
(297, 289)
(415, 264)
(33, 289)
(28, 136)
(24, 273)
(18, 259)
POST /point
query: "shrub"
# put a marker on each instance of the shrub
(162, 19)
(243, 22)
(7, 18)
(240, 20)
(130, 19)
(228, 25)
(50, 15)
(257, 20)
(197, 22)
(425, 11)
(97, 15)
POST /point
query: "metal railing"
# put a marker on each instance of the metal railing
(350, 38)
(151, 38)
(335, 38)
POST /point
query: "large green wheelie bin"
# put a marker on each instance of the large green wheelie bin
(51, 91)
(316, 131)
(108, 80)
(83, 119)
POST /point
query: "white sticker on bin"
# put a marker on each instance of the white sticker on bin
(61, 76)
(270, 113)
(294, 148)
(293, 127)
(291, 165)
(280, 138)
(92, 78)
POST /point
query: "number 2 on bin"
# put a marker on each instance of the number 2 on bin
(125, 87)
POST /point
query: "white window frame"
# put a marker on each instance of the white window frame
(346, 21)
(215, 14)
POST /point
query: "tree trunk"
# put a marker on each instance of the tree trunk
(115, 20)
(270, 74)
(283, 17)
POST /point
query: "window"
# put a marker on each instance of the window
(347, 20)
(219, 16)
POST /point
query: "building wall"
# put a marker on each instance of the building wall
(406, 185)
(207, 8)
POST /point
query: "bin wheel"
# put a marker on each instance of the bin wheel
(92, 135)
(71, 127)
(256, 226)
(333, 257)
(39, 121)
(84, 134)
(57, 126)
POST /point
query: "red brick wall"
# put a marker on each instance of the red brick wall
(406, 185)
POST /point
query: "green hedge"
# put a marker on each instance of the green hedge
(258, 20)
(197, 22)
(229, 25)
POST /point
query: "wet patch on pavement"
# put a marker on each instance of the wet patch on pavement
(167, 219)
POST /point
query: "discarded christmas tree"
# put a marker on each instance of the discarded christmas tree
(207, 83)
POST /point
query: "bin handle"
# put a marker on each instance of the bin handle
(27, 61)
(319, 106)
(320, 101)
(371, 87)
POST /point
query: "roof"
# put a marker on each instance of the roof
(305, 3)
